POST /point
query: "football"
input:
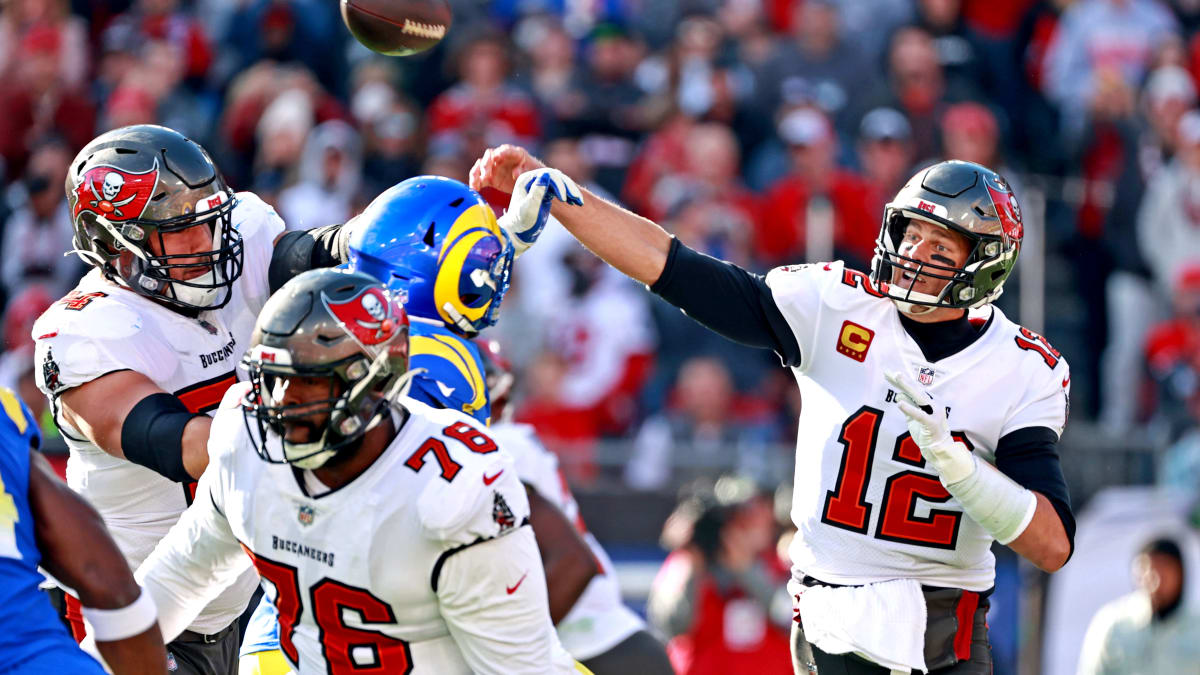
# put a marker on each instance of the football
(397, 27)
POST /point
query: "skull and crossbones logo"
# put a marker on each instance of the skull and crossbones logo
(111, 187)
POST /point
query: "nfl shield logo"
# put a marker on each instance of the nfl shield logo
(925, 376)
(306, 515)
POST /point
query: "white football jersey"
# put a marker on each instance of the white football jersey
(424, 561)
(101, 328)
(866, 506)
(599, 620)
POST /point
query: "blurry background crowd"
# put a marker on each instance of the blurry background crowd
(760, 131)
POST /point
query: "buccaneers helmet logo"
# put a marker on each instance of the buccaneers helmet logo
(115, 194)
(369, 317)
(1007, 209)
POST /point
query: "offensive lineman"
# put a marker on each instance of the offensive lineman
(436, 243)
(389, 535)
(599, 630)
(922, 404)
(135, 357)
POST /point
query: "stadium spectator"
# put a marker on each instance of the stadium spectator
(1098, 36)
(39, 102)
(819, 210)
(166, 20)
(40, 227)
(820, 65)
(1169, 223)
(485, 106)
(885, 153)
(917, 86)
(615, 117)
(959, 52)
(700, 431)
(300, 32)
(553, 74)
(330, 178)
(1153, 629)
(717, 596)
(70, 31)
(16, 352)
(1173, 356)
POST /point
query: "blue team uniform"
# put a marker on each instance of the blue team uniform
(453, 376)
(32, 638)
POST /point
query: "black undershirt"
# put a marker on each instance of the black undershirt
(740, 306)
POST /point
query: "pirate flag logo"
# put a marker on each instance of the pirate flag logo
(114, 194)
(1007, 209)
(370, 317)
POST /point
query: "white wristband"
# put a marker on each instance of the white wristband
(110, 625)
(995, 501)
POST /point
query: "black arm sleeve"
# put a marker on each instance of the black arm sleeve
(726, 299)
(1029, 457)
(300, 251)
(152, 435)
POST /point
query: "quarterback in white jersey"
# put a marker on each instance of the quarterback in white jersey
(599, 630)
(929, 421)
(389, 537)
(141, 351)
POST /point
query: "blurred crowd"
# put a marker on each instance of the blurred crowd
(760, 131)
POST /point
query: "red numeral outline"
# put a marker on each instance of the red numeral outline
(286, 581)
(471, 437)
(856, 279)
(846, 505)
(338, 641)
(448, 466)
(76, 300)
(1031, 341)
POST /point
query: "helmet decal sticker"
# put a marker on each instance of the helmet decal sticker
(368, 317)
(114, 193)
(1006, 205)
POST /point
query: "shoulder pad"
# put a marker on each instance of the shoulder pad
(228, 430)
(258, 223)
(485, 499)
(453, 374)
(253, 214)
(77, 346)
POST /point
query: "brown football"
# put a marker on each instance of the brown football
(397, 27)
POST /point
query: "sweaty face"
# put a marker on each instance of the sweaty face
(932, 244)
(307, 403)
(186, 242)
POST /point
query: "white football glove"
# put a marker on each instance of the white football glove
(930, 431)
(529, 208)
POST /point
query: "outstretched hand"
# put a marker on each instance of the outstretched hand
(529, 208)
(499, 167)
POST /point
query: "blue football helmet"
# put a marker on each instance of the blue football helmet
(436, 242)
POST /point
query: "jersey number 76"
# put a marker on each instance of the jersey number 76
(846, 505)
(339, 643)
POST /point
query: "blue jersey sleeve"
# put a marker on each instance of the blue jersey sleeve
(30, 632)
